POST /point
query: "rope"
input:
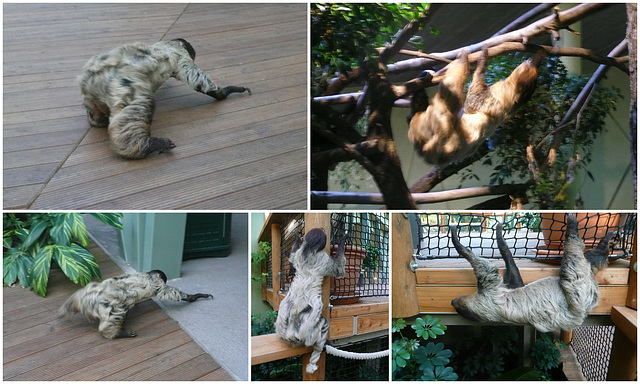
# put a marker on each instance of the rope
(354, 355)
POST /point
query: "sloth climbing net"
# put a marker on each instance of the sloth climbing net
(529, 235)
(367, 272)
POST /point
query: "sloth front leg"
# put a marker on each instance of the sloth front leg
(221, 94)
(129, 130)
(97, 112)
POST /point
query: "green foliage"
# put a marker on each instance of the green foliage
(32, 241)
(546, 354)
(263, 324)
(486, 356)
(372, 258)
(536, 122)
(413, 361)
(519, 374)
(257, 257)
(344, 35)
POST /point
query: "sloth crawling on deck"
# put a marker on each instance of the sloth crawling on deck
(110, 300)
(118, 90)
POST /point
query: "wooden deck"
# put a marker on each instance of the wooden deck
(246, 152)
(38, 346)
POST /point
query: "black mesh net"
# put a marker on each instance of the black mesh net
(367, 253)
(367, 266)
(592, 345)
(528, 235)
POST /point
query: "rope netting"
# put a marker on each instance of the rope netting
(528, 235)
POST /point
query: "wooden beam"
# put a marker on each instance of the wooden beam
(276, 256)
(271, 347)
(437, 299)
(403, 290)
(459, 272)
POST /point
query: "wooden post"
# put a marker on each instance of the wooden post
(275, 264)
(319, 220)
(403, 290)
(317, 375)
(623, 363)
(632, 293)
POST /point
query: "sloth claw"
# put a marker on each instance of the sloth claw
(159, 144)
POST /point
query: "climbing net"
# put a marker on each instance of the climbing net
(529, 235)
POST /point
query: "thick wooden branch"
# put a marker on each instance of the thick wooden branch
(407, 33)
(504, 48)
(419, 198)
(346, 153)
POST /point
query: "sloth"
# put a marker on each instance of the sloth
(300, 318)
(452, 128)
(118, 90)
(110, 300)
(550, 304)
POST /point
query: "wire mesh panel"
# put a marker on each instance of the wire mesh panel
(340, 369)
(367, 254)
(592, 345)
(528, 235)
(289, 369)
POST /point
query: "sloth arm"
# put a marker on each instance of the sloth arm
(187, 71)
(169, 293)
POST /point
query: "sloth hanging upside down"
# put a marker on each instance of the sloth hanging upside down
(452, 127)
(118, 90)
(110, 300)
(550, 304)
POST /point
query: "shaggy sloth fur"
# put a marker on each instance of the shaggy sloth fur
(549, 304)
(452, 128)
(118, 90)
(300, 318)
(110, 300)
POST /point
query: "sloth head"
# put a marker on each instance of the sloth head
(158, 273)
(188, 47)
(308, 256)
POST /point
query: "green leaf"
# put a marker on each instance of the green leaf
(398, 325)
(16, 266)
(77, 263)
(40, 269)
(37, 229)
(112, 219)
(68, 226)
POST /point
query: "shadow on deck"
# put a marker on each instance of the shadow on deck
(246, 152)
(38, 346)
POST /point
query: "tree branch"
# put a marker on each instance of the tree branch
(419, 198)
(577, 105)
(555, 22)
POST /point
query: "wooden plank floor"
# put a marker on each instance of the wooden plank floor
(246, 152)
(38, 346)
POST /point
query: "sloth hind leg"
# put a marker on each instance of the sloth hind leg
(111, 324)
(129, 130)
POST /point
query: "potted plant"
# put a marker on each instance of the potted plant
(343, 291)
(591, 228)
(32, 242)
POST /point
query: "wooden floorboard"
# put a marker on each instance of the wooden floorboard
(227, 151)
(38, 346)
